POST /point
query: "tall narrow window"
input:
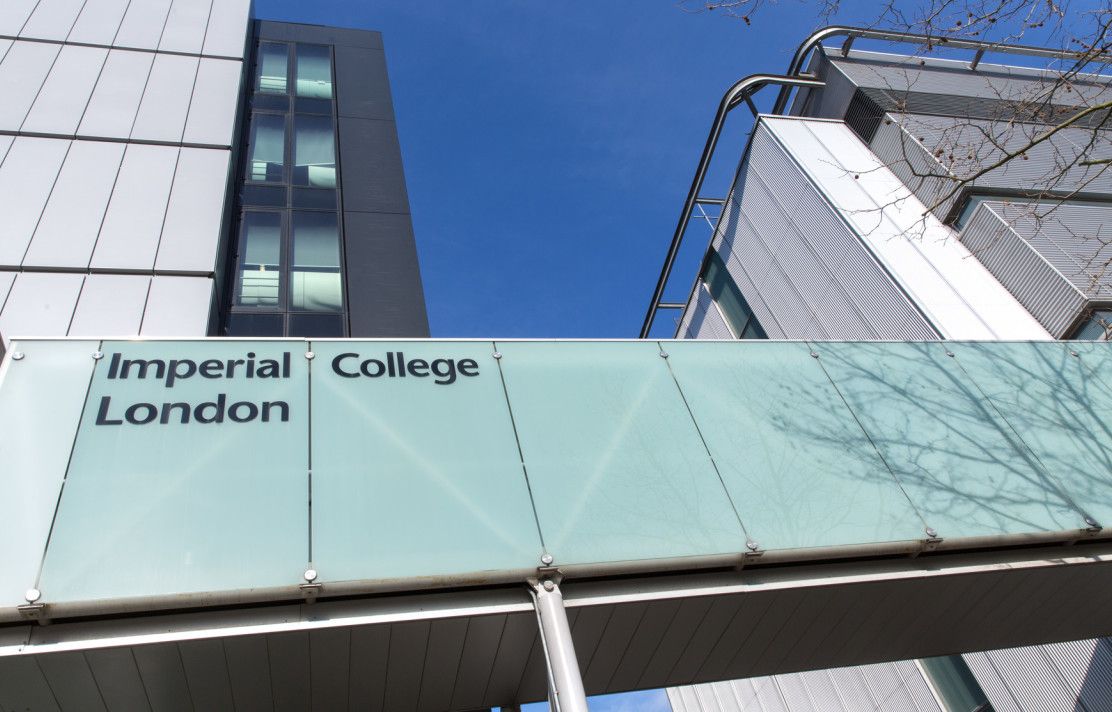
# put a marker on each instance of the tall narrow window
(730, 301)
(267, 148)
(258, 282)
(314, 71)
(314, 152)
(315, 270)
(270, 75)
(955, 685)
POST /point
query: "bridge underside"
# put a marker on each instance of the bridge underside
(467, 649)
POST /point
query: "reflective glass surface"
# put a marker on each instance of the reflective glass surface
(963, 467)
(415, 475)
(315, 269)
(260, 259)
(267, 148)
(196, 486)
(800, 470)
(41, 396)
(314, 71)
(271, 68)
(617, 466)
(314, 154)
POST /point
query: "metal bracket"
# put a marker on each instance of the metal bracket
(977, 59)
(34, 612)
(310, 591)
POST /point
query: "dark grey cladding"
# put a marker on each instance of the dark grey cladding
(382, 277)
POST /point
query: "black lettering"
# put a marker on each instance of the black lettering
(286, 364)
(268, 368)
(449, 375)
(336, 366)
(218, 410)
(167, 408)
(114, 366)
(158, 364)
(418, 365)
(250, 364)
(390, 362)
(252, 412)
(131, 415)
(232, 366)
(102, 414)
(280, 405)
(401, 364)
(466, 364)
(365, 367)
(172, 373)
(212, 368)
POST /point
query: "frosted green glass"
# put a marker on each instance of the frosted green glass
(617, 466)
(41, 395)
(185, 507)
(799, 468)
(412, 477)
(964, 469)
(1060, 412)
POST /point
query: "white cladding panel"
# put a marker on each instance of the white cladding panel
(70, 223)
(177, 306)
(52, 19)
(5, 144)
(26, 178)
(64, 95)
(133, 223)
(110, 305)
(958, 294)
(185, 26)
(115, 100)
(212, 112)
(98, 22)
(142, 24)
(165, 101)
(191, 233)
(40, 304)
(22, 74)
(227, 28)
(6, 279)
(14, 14)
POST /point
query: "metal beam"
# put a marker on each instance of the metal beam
(559, 650)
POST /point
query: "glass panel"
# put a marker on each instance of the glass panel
(1048, 399)
(960, 463)
(730, 301)
(314, 71)
(40, 406)
(240, 324)
(314, 154)
(263, 195)
(955, 684)
(800, 470)
(316, 198)
(416, 475)
(202, 488)
(267, 148)
(271, 69)
(272, 102)
(607, 440)
(315, 272)
(305, 105)
(260, 260)
(324, 326)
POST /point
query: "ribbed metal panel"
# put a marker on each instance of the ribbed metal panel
(701, 319)
(1086, 669)
(907, 146)
(802, 269)
(1023, 269)
(1032, 680)
(993, 685)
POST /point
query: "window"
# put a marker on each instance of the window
(314, 152)
(260, 260)
(953, 683)
(267, 148)
(314, 71)
(272, 67)
(315, 272)
(725, 293)
(1097, 326)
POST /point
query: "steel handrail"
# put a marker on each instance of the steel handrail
(742, 90)
(736, 95)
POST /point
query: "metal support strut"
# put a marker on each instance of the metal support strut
(563, 667)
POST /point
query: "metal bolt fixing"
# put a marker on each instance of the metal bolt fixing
(98, 355)
(549, 586)
(32, 595)
(1092, 522)
(752, 545)
(310, 575)
(932, 533)
(1074, 353)
(310, 355)
(950, 354)
(497, 354)
(546, 559)
(17, 355)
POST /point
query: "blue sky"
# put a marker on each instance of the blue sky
(548, 146)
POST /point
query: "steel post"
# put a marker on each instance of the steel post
(563, 667)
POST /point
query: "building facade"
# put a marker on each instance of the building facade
(176, 168)
(848, 219)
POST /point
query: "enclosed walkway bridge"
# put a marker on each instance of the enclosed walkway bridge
(432, 525)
